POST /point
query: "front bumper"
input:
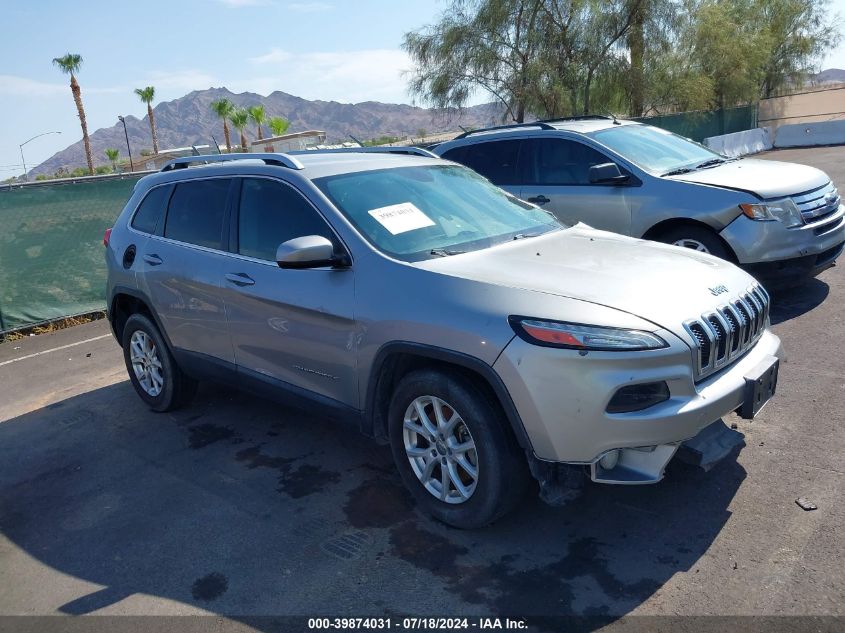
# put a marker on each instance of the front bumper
(795, 271)
(562, 396)
(770, 250)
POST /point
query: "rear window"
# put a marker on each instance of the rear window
(196, 212)
(151, 210)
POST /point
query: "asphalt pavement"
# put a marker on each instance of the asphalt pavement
(239, 507)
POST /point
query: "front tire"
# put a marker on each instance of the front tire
(157, 378)
(453, 449)
(697, 238)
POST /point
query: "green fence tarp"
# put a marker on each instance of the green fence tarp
(51, 247)
(701, 125)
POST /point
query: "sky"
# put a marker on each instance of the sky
(341, 50)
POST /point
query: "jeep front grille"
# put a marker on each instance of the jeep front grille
(720, 337)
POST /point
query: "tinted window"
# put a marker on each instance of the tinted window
(151, 210)
(456, 154)
(496, 160)
(196, 211)
(553, 161)
(272, 213)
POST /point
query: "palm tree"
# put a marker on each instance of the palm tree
(112, 154)
(278, 125)
(256, 113)
(69, 64)
(239, 118)
(224, 109)
(147, 95)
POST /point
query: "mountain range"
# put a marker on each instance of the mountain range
(829, 76)
(189, 120)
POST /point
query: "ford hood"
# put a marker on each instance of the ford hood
(664, 284)
(764, 178)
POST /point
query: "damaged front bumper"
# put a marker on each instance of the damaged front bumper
(562, 483)
(646, 465)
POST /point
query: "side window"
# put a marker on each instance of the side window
(495, 160)
(196, 211)
(457, 154)
(272, 213)
(151, 209)
(554, 161)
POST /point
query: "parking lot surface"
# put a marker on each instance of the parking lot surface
(237, 506)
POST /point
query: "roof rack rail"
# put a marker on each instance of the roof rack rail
(544, 124)
(579, 117)
(509, 126)
(279, 160)
(399, 149)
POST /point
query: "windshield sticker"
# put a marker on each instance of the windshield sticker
(401, 218)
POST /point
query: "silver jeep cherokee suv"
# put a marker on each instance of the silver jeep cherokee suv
(780, 221)
(483, 339)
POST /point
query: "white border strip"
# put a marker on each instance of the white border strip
(55, 349)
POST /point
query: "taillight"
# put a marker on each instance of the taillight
(107, 237)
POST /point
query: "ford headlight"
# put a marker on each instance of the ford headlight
(585, 337)
(784, 211)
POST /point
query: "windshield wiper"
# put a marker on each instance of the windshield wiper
(679, 171)
(442, 252)
(711, 163)
(708, 163)
(522, 236)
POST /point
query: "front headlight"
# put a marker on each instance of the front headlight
(784, 211)
(586, 337)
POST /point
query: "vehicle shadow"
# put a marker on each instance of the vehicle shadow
(240, 508)
(789, 303)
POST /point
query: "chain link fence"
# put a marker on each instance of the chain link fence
(704, 124)
(51, 247)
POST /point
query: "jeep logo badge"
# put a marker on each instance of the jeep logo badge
(718, 290)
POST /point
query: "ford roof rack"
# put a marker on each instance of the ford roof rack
(279, 160)
(399, 149)
(580, 117)
(544, 124)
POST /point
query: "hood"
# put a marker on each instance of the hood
(765, 178)
(663, 284)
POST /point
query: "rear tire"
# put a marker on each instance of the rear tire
(484, 482)
(696, 238)
(157, 378)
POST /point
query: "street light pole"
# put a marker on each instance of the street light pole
(128, 149)
(23, 161)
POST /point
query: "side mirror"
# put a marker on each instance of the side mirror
(310, 251)
(607, 173)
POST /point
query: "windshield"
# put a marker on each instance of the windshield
(655, 150)
(432, 211)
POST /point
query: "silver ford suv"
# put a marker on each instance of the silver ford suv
(782, 222)
(479, 336)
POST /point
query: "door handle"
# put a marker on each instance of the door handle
(240, 279)
(541, 199)
(153, 260)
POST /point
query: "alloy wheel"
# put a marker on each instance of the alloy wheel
(441, 449)
(695, 245)
(146, 363)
